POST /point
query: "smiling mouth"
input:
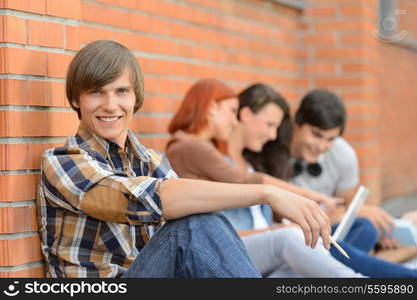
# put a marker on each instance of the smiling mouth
(109, 119)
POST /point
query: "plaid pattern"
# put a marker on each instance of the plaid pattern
(98, 205)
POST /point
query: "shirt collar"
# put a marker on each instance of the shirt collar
(102, 146)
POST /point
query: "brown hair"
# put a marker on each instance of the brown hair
(100, 63)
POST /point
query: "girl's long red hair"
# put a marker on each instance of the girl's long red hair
(192, 115)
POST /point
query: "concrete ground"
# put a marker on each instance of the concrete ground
(400, 205)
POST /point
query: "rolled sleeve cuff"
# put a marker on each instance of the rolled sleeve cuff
(145, 205)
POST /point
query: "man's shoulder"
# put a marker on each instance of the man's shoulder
(341, 153)
(341, 147)
(72, 147)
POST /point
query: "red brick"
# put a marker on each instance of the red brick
(320, 39)
(72, 34)
(13, 157)
(34, 272)
(13, 30)
(13, 92)
(358, 11)
(46, 93)
(22, 61)
(57, 64)
(33, 6)
(12, 190)
(158, 144)
(320, 67)
(65, 9)
(156, 104)
(36, 123)
(150, 124)
(321, 11)
(20, 251)
(62, 124)
(18, 219)
(46, 34)
(38, 93)
(344, 26)
(359, 67)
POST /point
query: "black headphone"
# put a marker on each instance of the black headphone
(314, 169)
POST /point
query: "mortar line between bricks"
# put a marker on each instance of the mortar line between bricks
(25, 203)
(21, 267)
(18, 235)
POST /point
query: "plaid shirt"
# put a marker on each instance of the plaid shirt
(98, 205)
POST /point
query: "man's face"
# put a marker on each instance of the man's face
(309, 142)
(108, 111)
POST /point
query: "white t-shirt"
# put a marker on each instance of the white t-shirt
(340, 170)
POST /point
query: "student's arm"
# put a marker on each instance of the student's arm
(182, 197)
(74, 180)
(329, 202)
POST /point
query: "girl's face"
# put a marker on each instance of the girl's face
(223, 118)
(261, 127)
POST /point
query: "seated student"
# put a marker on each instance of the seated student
(317, 143)
(206, 115)
(104, 198)
(245, 146)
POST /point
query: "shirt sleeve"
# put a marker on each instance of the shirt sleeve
(76, 181)
(210, 162)
(349, 169)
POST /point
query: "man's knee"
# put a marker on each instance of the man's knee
(367, 228)
(207, 222)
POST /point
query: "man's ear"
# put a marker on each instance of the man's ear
(245, 114)
(75, 104)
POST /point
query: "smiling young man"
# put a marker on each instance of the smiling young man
(109, 207)
(323, 160)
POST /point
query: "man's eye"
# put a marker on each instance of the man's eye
(123, 91)
(96, 92)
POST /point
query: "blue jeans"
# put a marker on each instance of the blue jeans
(203, 245)
(359, 241)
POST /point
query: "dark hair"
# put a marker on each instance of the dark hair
(100, 63)
(275, 156)
(323, 109)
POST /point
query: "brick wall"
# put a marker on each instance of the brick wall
(328, 44)
(177, 43)
(397, 99)
(343, 56)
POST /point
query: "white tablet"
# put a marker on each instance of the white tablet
(350, 215)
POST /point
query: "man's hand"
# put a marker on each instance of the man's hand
(388, 243)
(382, 220)
(302, 211)
(329, 203)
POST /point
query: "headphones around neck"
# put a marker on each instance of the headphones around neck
(314, 169)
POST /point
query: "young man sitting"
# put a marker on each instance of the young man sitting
(109, 207)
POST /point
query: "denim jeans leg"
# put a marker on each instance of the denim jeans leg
(203, 245)
(363, 235)
(368, 265)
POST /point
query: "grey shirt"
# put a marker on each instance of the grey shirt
(340, 170)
